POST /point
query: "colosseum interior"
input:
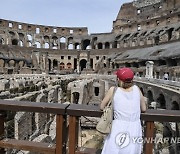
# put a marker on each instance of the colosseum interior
(42, 63)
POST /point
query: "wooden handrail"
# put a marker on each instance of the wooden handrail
(75, 111)
(40, 107)
(51, 108)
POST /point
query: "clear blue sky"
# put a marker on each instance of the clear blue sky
(97, 15)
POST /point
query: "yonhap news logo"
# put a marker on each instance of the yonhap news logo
(124, 139)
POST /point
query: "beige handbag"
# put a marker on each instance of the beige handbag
(105, 123)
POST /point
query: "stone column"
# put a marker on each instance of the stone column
(149, 69)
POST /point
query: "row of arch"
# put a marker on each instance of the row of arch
(161, 100)
(140, 38)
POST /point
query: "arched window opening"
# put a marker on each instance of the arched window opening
(77, 46)
(169, 31)
(29, 44)
(135, 65)
(49, 61)
(175, 106)
(161, 101)
(55, 47)
(61, 66)
(14, 42)
(96, 91)
(75, 97)
(172, 62)
(107, 45)
(71, 31)
(37, 30)
(150, 97)
(21, 43)
(115, 44)
(29, 37)
(2, 41)
(85, 43)
(88, 47)
(20, 26)
(162, 62)
(38, 45)
(156, 40)
(69, 65)
(10, 25)
(83, 64)
(100, 45)
(70, 46)
(46, 45)
(63, 40)
(11, 63)
(127, 64)
(55, 63)
(55, 40)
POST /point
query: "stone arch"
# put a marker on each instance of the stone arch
(62, 40)
(169, 32)
(94, 42)
(21, 43)
(2, 63)
(21, 36)
(70, 46)
(38, 45)
(12, 34)
(46, 38)
(100, 45)
(107, 45)
(175, 106)
(150, 96)
(62, 66)
(54, 47)
(96, 91)
(77, 46)
(55, 40)
(49, 61)
(29, 44)
(11, 63)
(55, 63)
(29, 37)
(85, 44)
(161, 102)
(83, 64)
(46, 45)
(2, 41)
(70, 40)
(69, 65)
(21, 64)
(14, 42)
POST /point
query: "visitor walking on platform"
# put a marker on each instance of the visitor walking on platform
(128, 103)
(166, 76)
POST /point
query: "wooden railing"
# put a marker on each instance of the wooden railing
(57, 109)
(71, 114)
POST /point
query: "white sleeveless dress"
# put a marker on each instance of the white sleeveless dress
(126, 126)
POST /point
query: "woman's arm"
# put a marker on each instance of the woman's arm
(107, 98)
(142, 102)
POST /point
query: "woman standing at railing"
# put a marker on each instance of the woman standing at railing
(128, 102)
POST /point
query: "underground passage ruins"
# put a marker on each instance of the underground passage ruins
(67, 65)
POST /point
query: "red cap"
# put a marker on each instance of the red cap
(125, 74)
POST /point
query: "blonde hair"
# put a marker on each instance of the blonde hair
(125, 85)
